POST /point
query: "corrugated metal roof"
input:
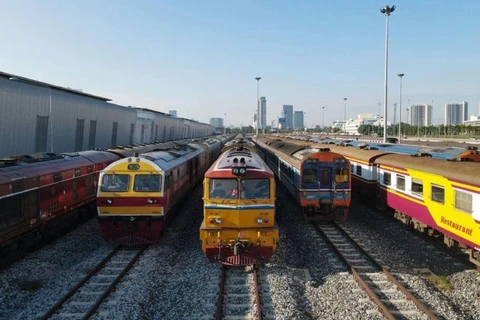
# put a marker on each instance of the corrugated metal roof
(52, 86)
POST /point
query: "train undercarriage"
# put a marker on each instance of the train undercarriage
(453, 245)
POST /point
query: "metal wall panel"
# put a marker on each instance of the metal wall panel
(22, 103)
(27, 110)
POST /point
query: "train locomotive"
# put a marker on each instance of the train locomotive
(436, 196)
(318, 179)
(137, 194)
(239, 209)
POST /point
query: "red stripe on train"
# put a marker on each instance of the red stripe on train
(130, 201)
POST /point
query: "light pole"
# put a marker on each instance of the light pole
(50, 114)
(400, 113)
(386, 11)
(225, 124)
(345, 116)
(258, 103)
(323, 119)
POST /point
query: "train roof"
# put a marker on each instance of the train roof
(18, 168)
(170, 153)
(366, 155)
(295, 153)
(239, 156)
(285, 147)
(463, 171)
(446, 153)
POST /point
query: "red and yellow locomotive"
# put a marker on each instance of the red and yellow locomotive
(239, 209)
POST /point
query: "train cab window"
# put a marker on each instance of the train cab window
(78, 172)
(358, 170)
(387, 178)
(438, 194)
(18, 186)
(115, 183)
(400, 183)
(57, 177)
(463, 201)
(325, 177)
(309, 175)
(147, 182)
(254, 189)
(417, 187)
(341, 175)
(223, 189)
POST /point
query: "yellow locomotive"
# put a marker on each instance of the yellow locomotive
(239, 226)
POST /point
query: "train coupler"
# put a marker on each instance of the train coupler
(238, 247)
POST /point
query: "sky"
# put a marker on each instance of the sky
(201, 57)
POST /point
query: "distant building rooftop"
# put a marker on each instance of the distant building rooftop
(48, 85)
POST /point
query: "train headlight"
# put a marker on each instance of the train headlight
(235, 171)
(109, 201)
(242, 171)
(150, 201)
(218, 220)
(259, 220)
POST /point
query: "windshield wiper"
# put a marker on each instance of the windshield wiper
(228, 195)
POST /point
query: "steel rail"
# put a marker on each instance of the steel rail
(219, 313)
(375, 298)
(72, 291)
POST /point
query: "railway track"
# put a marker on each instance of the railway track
(393, 299)
(82, 301)
(239, 297)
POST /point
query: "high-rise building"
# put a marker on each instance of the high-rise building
(420, 115)
(456, 113)
(263, 113)
(298, 120)
(216, 122)
(287, 113)
(173, 113)
(428, 115)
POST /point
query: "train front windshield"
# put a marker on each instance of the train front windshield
(255, 188)
(322, 175)
(147, 183)
(249, 189)
(115, 183)
(223, 189)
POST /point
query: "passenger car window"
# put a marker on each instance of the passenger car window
(309, 175)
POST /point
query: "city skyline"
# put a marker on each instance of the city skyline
(201, 59)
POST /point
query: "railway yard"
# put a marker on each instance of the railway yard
(305, 279)
(139, 181)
